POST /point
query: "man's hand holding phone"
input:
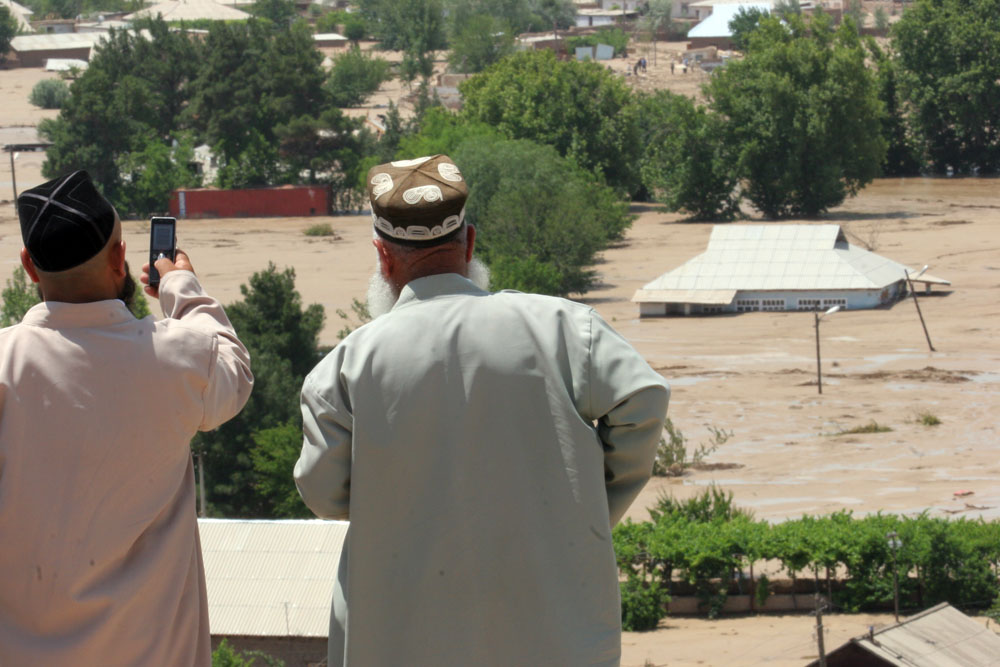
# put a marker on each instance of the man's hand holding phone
(164, 265)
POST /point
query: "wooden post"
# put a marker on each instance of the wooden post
(916, 303)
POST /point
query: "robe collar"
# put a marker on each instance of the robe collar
(442, 284)
(62, 315)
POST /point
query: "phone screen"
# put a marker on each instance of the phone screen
(161, 242)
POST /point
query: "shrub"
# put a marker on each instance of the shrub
(927, 419)
(642, 604)
(871, 427)
(49, 94)
(321, 229)
(355, 76)
(672, 454)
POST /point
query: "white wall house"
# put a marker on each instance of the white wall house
(777, 267)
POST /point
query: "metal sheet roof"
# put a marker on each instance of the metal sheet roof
(270, 578)
(57, 41)
(941, 636)
(780, 257)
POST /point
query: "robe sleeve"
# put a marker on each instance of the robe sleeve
(629, 401)
(229, 378)
(323, 471)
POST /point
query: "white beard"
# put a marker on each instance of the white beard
(382, 297)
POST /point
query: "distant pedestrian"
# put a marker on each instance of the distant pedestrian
(642, 64)
(635, 68)
(671, 66)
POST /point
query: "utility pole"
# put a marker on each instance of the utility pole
(916, 303)
(819, 631)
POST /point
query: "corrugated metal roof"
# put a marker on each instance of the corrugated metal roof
(941, 636)
(270, 578)
(190, 10)
(780, 257)
(57, 41)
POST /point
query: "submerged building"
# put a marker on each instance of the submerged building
(778, 267)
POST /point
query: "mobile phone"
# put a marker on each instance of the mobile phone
(162, 243)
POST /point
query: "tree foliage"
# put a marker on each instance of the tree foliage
(415, 26)
(479, 42)
(802, 114)
(949, 76)
(687, 165)
(747, 20)
(18, 297)
(133, 89)
(540, 219)
(8, 30)
(355, 76)
(579, 108)
(282, 338)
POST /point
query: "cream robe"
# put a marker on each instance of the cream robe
(457, 433)
(100, 562)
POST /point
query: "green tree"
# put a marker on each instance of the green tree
(252, 81)
(903, 152)
(949, 76)
(443, 132)
(133, 89)
(540, 219)
(747, 20)
(881, 18)
(274, 454)
(657, 18)
(803, 116)
(155, 170)
(414, 26)
(18, 297)
(479, 42)
(327, 149)
(8, 30)
(282, 338)
(355, 76)
(580, 108)
(281, 13)
(687, 164)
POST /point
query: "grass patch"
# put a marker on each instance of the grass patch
(927, 419)
(322, 229)
(871, 427)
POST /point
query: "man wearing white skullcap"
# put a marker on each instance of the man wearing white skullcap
(482, 446)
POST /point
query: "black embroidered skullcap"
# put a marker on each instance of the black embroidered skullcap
(418, 202)
(64, 222)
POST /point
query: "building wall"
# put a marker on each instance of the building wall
(304, 200)
(783, 301)
(293, 651)
(38, 58)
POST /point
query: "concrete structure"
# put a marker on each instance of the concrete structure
(270, 584)
(190, 10)
(282, 201)
(941, 636)
(330, 40)
(777, 267)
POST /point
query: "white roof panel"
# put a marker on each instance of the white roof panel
(781, 256)
(270, 578)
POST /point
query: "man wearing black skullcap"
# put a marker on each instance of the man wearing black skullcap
(101, 563)
(482, 446)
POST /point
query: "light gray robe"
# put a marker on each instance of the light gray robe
(99, 556)
(457, 433)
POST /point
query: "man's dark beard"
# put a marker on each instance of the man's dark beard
(127, 291)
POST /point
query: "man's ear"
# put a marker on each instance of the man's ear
(470, 242)
(29, 266)
(116, 258)
(387, 263)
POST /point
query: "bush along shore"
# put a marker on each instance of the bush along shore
(708, 547)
